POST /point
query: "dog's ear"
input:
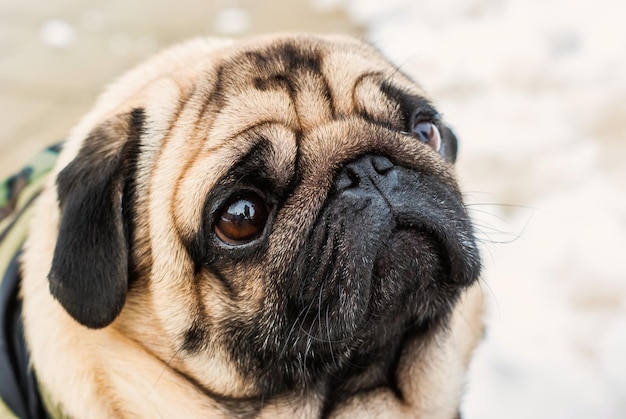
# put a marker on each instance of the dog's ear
(449, 143)
(89, 273)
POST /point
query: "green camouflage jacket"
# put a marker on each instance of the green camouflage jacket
(19, 393)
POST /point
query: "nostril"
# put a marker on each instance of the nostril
(381, 164)
(367, 170)
(347, 178)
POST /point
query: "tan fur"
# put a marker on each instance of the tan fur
(132, 368)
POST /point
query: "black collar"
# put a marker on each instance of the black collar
(18, 386)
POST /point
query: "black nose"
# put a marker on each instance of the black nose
(368, 172)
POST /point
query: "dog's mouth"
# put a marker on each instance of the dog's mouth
(392, 249)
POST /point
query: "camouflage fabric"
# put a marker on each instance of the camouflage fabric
(17, 193)
(11, 197)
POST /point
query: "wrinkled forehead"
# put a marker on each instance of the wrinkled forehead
(304, 82)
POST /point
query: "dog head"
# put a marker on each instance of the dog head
(264, 216)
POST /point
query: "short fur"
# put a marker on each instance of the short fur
(358, 297)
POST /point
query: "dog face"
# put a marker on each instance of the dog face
(270, 216)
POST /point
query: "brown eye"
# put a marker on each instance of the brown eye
(241, 220)
(429, 134)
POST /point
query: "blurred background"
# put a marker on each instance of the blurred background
(536, 90)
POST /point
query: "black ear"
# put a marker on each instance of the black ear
(89, 273)
(449, 144)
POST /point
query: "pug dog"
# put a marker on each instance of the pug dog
(268, 227)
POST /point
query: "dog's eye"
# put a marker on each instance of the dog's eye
(241, 220)
(429, 134)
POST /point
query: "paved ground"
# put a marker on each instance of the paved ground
(55, 56)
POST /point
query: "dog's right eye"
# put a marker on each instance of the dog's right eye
(242, 219)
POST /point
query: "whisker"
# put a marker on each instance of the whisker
(330, 346)
(165, 367)
(319, 307)
(498, 205)
(494, 298)
(299, 318)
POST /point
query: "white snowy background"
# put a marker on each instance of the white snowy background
(536, 90)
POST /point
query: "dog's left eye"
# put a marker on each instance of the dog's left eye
(429, 134)
(242, 219)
